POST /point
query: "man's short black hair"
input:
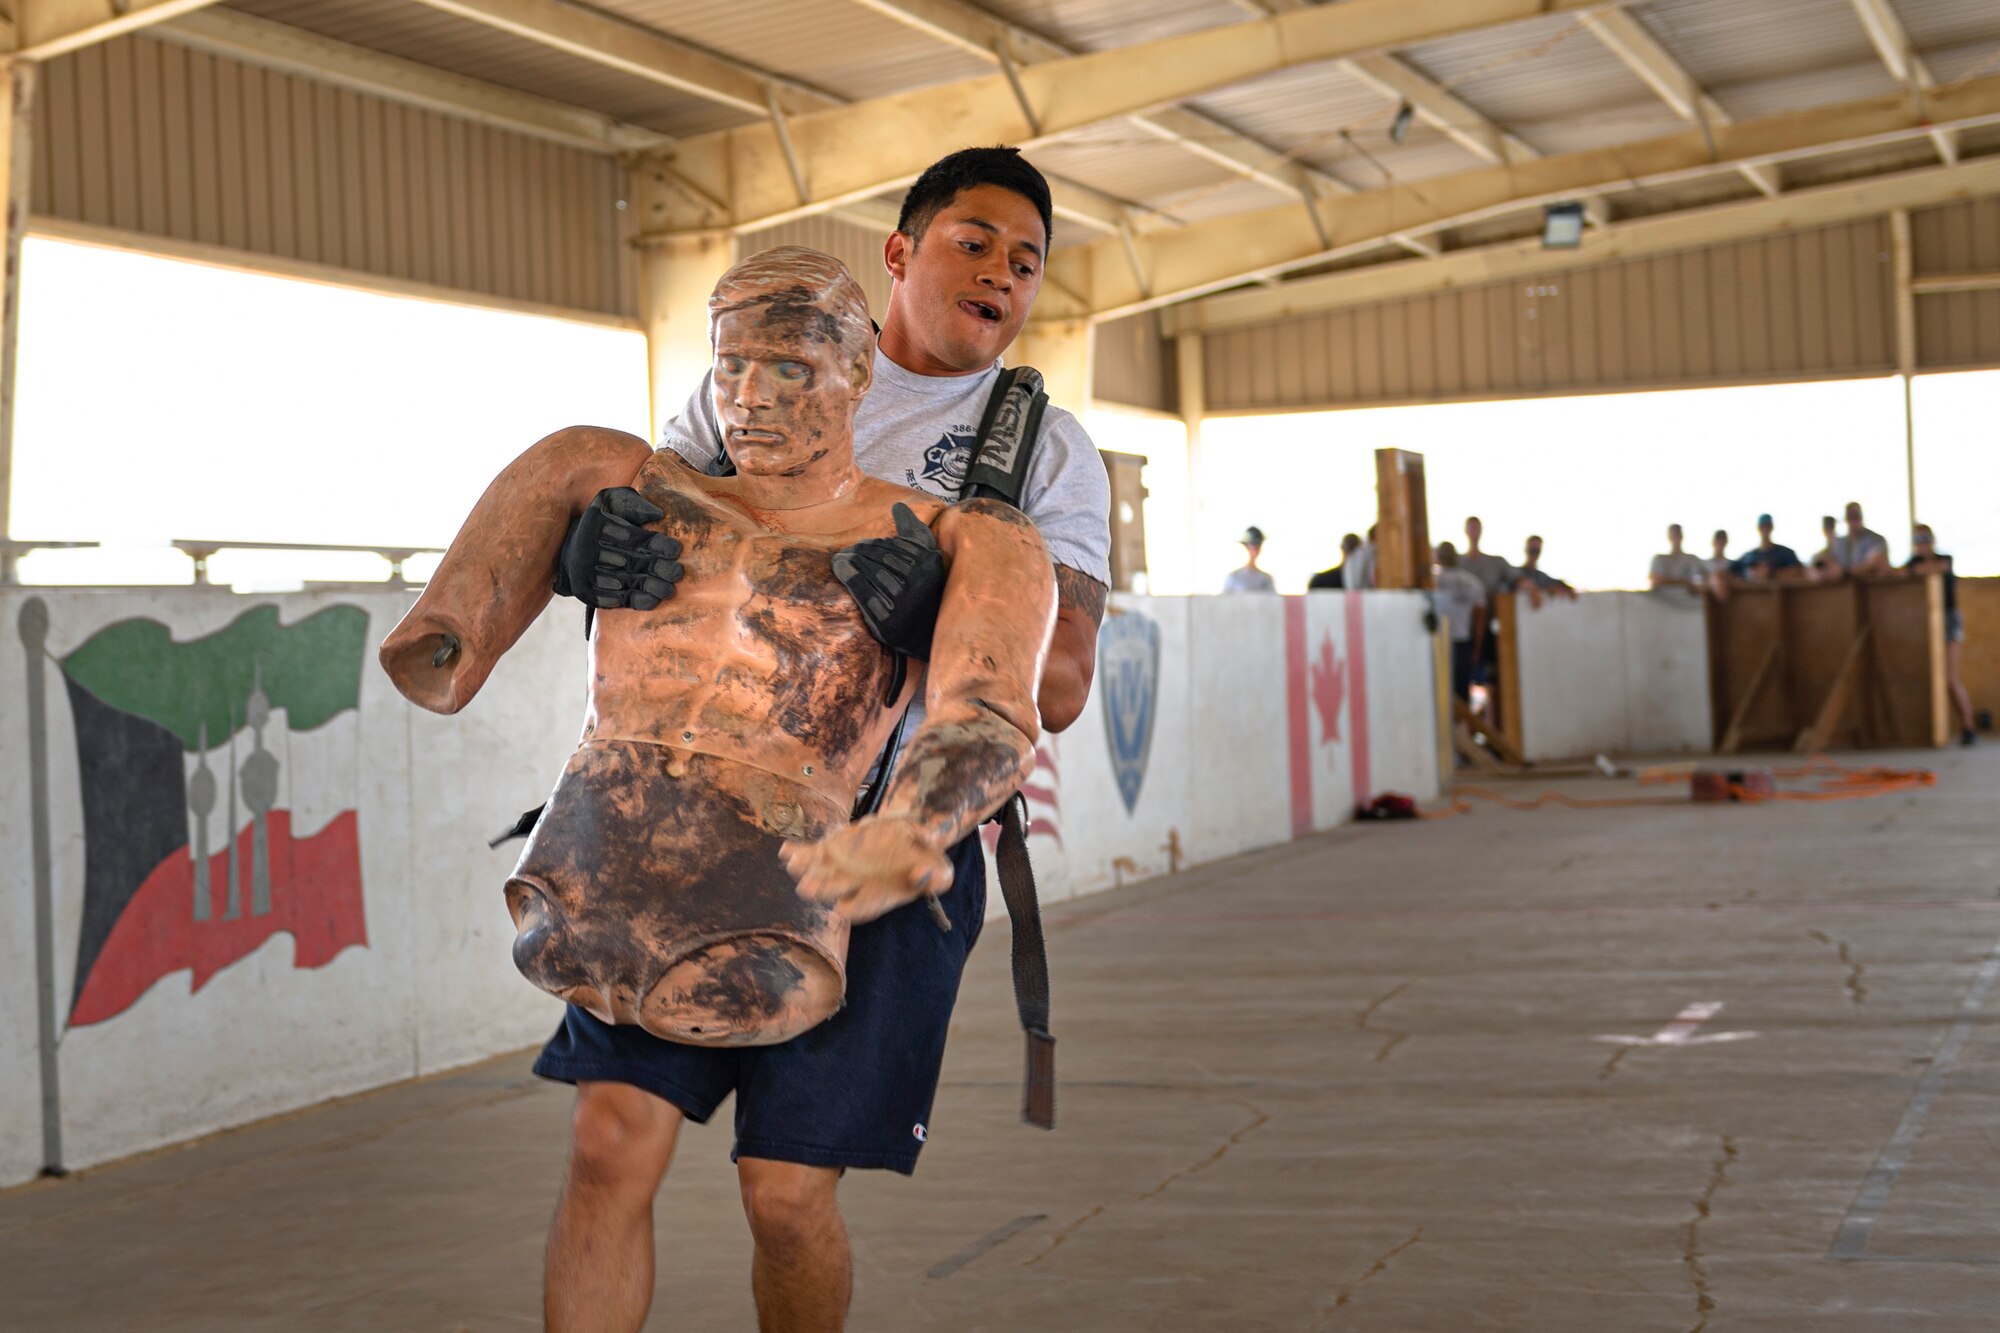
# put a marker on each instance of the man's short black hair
(948, 177)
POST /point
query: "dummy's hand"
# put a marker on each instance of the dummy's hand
(865, 869)
(899, 583)
(610, 560)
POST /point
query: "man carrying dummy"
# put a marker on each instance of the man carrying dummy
(727, 735)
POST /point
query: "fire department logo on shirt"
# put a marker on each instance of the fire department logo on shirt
(946, 464)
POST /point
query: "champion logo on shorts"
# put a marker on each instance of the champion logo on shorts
(917, 1132)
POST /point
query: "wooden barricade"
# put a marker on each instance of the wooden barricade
(1857, 664)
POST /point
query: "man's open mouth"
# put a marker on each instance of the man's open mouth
(981, 310)
(749, 435)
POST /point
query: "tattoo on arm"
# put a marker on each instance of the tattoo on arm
(1080, 593)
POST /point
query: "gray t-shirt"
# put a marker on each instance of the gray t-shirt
(918, 431)
(1247, 579)
(1459, 594)
(1853, 551)
(1683, 568)
(1492, 571)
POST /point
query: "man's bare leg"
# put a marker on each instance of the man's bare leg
(600, 1256)
(802, 1274)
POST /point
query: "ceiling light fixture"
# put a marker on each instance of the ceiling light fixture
(1400, 126)
(1562, 226)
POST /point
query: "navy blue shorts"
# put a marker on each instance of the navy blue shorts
(854, 1091)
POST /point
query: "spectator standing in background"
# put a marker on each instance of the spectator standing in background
(1766, 560)
(1862, 550)
(1492, 571)
(1823, 563)
(1461, 600)
(1925, 558)
(1250, 578)
(1496, 576)
(1718, 563)
(1531, 574)
(1337, 576)
(1359, 570)
(1677, 568)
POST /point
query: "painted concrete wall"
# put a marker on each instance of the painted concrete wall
(1614, 673)
(1217, 725)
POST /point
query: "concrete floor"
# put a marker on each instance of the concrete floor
(1349, 1083)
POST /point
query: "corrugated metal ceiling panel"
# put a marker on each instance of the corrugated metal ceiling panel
(842, 48)
(1964, 62)
(1529, 71)
(1126, 161)
(1095, 25)
(1724, 43)
(1289, 108)
(1233, 196)
(419, 33)
(1796, 92)
(1635, 121)
(1941, 24)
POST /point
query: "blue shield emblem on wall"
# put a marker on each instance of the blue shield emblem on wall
(1128, 671)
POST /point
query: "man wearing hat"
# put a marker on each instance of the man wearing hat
(1250, 578)
(1766, 560)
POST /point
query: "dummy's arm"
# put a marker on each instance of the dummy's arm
(977, 743)
(494, 580)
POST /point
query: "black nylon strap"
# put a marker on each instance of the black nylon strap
(1031, 962)
(1006, 442)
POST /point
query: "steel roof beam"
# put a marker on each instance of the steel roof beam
(1205, 256)
(1630, 40)
(1892, 42)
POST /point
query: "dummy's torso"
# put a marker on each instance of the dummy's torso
(761, 657)
(744, 711)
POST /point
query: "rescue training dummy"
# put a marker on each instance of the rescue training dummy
(695, 871)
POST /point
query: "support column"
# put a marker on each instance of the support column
(1904, 259)
(1191, 378)
(1062, 350)
(17, 98)
(676, 275)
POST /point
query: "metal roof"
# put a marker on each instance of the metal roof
(1550, 81)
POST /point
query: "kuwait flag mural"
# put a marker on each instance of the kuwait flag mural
(219, 783)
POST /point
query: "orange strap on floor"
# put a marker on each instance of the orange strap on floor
(1836, 782)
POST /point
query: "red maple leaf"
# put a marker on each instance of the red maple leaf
(1329, 690)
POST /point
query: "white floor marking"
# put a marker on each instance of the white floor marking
(1681, 1032)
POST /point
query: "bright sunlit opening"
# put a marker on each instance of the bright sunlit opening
(161, 399)
(1599, 478)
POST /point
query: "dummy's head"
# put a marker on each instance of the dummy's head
(793, 355)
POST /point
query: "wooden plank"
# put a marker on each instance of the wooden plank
(1508, 657)
(92, 138)
(1813, 740)
(395, 186)
(375, 185)
(56, 98)
(1732, 734)
(325, 160)
(256, 160)
(232, 208)
(280, 171)
(1472, 751)
(121, 121)
(1496, 740)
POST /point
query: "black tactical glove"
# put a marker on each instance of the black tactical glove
(899, 583)
(609, 560)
